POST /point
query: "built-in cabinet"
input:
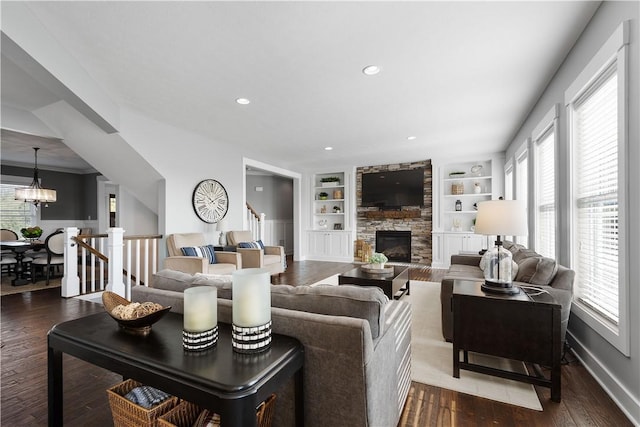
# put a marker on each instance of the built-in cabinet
(330, 246)
(458, 188)
(330, 235)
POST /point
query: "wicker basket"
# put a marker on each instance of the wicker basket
(457, 188)
(186, 413)
(127, 414)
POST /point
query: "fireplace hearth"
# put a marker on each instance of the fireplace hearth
(396, 245)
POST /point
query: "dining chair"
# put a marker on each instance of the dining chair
(7, 235)
(7, 263)
(54, 245)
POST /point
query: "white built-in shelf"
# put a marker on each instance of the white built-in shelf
(454, 196)
(466, 178)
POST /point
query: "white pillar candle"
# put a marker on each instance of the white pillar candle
(200, 308)
(251, 297)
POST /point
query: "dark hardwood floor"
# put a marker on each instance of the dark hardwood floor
(26, 318)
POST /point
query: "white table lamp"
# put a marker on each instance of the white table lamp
(500, 218)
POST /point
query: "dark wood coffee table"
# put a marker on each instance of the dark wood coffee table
(390, 283)
(219, 379)
(518, 327)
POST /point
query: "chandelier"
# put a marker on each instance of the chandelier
(35, 193)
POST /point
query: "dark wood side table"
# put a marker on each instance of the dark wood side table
(517, 327)
(219, 379)
(390, 283)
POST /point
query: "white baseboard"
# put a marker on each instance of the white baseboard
(618, 392)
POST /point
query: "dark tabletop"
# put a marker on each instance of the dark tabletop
(220, 367)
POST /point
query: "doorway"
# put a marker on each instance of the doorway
(276, 192)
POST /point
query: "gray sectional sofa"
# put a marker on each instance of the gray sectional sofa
(357, 346)
(532, 270)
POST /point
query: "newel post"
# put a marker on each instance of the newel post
(261, 222)
(70, 285)
(115, 250)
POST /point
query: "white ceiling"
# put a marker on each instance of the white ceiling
(460, 76)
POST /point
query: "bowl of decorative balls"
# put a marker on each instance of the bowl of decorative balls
(133, 317)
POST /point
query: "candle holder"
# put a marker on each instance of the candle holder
(200, 327)
(251, 296)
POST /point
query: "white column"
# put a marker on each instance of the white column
(70, 281)
(115, 253)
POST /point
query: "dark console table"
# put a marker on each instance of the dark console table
(390, 283)
(219, 379)
(518, 327)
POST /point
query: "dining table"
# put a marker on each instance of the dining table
(19, 247)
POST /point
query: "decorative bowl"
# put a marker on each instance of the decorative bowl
(31, 232)
(139, 326)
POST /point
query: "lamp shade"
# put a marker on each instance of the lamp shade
(501, 218)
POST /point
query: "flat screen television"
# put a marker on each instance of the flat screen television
(393, 189)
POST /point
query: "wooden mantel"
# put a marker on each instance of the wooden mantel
(402, 214)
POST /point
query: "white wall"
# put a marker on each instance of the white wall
(619, 375)
(184, 159)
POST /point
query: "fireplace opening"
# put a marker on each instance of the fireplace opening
(396, 245)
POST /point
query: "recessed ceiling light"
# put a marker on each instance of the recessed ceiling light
(328, 148)
(371, 70)
(243, 101)
(411, 138)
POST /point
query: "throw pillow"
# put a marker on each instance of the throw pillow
(248, 245)
(200, 251)
(537, 270)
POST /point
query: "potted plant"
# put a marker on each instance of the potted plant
(336, 209)
(330, 181)
(377, 260)
(323, 196)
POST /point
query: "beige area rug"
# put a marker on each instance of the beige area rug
(432, 359)
(7, 289)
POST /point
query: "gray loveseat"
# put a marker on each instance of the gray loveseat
(357, 346)
(532, 270)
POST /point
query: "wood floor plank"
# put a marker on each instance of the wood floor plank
(26, 318)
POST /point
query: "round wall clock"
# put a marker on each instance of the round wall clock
(210, 201)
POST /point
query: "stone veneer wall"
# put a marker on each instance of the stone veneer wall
(371, 219)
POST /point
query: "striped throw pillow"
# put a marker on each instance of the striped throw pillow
(200, 251)
(256, 245)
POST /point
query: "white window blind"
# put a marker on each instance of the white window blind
(15, 214)
(545, 210)
(595, 124)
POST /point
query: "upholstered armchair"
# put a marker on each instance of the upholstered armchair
(225, 262)
(256, 255)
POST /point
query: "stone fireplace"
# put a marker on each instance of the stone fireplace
(412, 219)
(396, 245)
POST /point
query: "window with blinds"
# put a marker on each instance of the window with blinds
(595, 186)
(15, 214)
(545, 195)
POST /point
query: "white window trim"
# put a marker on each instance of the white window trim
(549, 123)
(508, 169)
(522, 155)
(615, 49)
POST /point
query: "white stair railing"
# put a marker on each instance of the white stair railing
(255, 222)
(131, 260)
